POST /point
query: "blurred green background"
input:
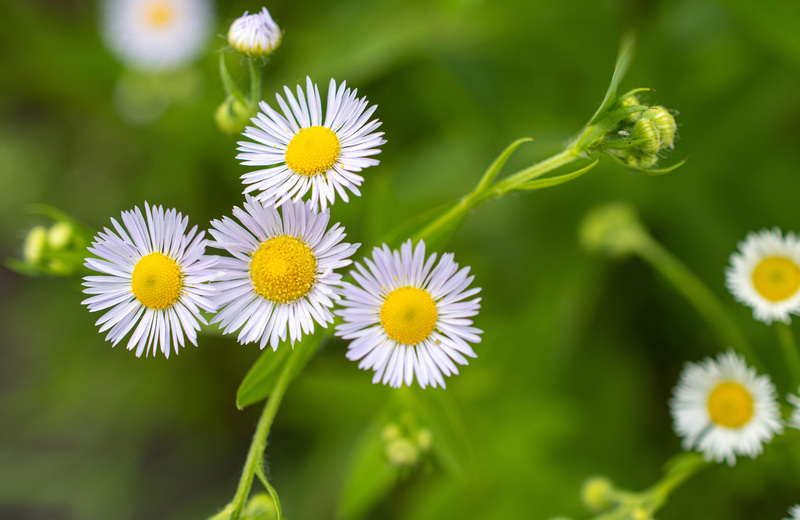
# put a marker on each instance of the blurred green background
(579, 355)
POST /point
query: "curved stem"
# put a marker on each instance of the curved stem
(255, 82)
(259, 443)
(696, 292)
(789, 346)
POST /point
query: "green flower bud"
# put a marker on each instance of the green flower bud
(629, 102)
(402, 452)
(612, 229)
(665, 123)
(59, 235)
(232, 116)
(641, 514)
(645, 130)
(597, 494)
(35, 242)
(390, 432)
(424, 439)
(260, 507)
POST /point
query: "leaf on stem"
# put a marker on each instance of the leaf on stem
(262, 376)
(262, 476)
(498, 163)
(624, 58)
(555, 181)
(651, 171)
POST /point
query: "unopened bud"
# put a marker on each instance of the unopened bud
(646, 131)
(424, 439)
(665, 123)
(612, 229)
(402, 452)
(35, 242)
(255, 34)
(232, 116)
(59, 235)
(260, 507)
(597, 494)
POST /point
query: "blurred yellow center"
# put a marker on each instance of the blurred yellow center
(157, 281)
(312, 151)
(776, 278)
(730, 405)
(159, 14)
(408, 315)
(283, 269)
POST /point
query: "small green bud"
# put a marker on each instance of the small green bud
(260, 507)
(597, 494)
(645, 130)
(35, 242)
(390, 432)
(665, 123)
(629, 102)
(59, 235)
(641, 514)
(402, 452)
(232, 116)
(424, 439)
(612, 229)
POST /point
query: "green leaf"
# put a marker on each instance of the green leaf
(498, 163)
(651, 171)
(369, 476)
(624, 57)
(595, 133)
(262, 376)
(555, 181)
(262, 476)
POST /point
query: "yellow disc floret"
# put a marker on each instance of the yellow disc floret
(283, 269)
(157, 281)
(408, 315)
(158, 14)
(312, 151)
(776, 278)
(730, 405)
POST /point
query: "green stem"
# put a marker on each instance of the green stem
(696, 292)
(789, 347)
(259, 443)
(255, 82)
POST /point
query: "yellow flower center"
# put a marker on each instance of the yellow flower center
(312, 151)
(157, 281)
(730, 405)
(776, 278)
(283, 269)
(408, 315)
(159, 14)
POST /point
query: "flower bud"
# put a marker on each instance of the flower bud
(597, 494)
(646, 131)
(35, 242)
(665, 123)
(260, 507)
(424, 439)
(59, 235)
(232, 116)
(612, 229)
(402, 452)
(255, 34)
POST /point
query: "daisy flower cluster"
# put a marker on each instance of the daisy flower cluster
(276, 277)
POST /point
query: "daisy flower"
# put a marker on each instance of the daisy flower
(154, 280)
(282, 271)
(794, 420)
(765, 275)
(302, 152)
(156, 35)
(407, 317)
(723, 408)
(794, 511)
(255, 34)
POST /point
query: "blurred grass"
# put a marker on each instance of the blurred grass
(578, 357)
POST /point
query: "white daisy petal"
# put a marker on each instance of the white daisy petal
(304, 153)
(156, 35)
(281, 278)
(794, 511)
(765, 275)
(723, 408)
(164, 271)
(255, 34)
(399, 326)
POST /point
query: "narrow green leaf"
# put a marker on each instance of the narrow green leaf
(651, 171)
(262, 376)
(498, 163)
(369, 476)
(262, 476)
(624, 58)
(229, 84)
(555, 181)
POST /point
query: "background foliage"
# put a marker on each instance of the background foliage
(579, 356)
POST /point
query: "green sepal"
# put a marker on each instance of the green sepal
(651, 171)
(624, 58)
(595, 133)
(498, 163)
(262, 376)
(636, 91)
(555, 181)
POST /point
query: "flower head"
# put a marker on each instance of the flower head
(303, 152)
(408, 317)
(723, 408)
(156, 35)
(282, 271)
(255, 34)
(794, 511)
(154, 274)
(765, 275)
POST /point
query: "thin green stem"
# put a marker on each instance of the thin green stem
(696, 292)
(259, 443)
(789, 346)
(255, 82)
